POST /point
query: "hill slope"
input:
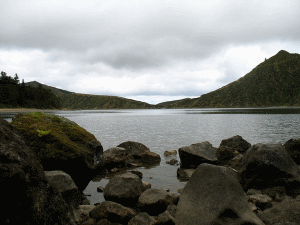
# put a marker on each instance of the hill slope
(56, 91)
(274, 82)
(71, 100)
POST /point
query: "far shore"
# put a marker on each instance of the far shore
(18, 110)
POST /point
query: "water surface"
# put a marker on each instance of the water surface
(170, 129)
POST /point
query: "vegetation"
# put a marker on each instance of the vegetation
(70, 100)
(83, 101)
(51, 136)
(16, 94)
(274, 82)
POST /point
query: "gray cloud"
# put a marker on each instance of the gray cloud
(118, 39)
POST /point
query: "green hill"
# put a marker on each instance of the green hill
(71, 100)
(56, 91)
(14, 94)
(274, 82)
(85, 101)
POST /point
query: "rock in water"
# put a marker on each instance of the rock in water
(269, 165)
(30, 199)
(124, 189)
(135, 149)
(61, 144)
(213, 195)
(195, 154)
(170, 153)
(140, 152)
(116, 158)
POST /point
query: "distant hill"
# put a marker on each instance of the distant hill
(71, 100)
(56, 91)
(14, 94)
(274, 82)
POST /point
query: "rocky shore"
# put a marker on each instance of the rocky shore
(46, 162)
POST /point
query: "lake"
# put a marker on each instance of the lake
(170, 129)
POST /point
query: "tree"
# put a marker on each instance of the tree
(16, 79)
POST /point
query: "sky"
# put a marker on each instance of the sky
(148, 50)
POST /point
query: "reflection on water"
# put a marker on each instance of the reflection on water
(170, 129)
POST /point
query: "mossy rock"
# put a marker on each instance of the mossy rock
(60, 144)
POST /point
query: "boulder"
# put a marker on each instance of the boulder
(184, 174)
(116, 158)
(253, 192)
(103, 222)
(142, 219)
(113, 212)
(194, 155)
(60, 144)
(146, 185)
(231, 147)
(292, 146)
(84, 211)
(175, 198)
(84, 199)
(125, 189)
(269, 165)
(100, 189)
(172, 210)
(138, 173)
(172, 162)
(140, 152)
(261, 201)
(284, 212)
(154, 201)
(30, 199)
(214, 195)
(170, 153)
(66, 187)
(90, 221)
(165, 218)
(150, 158)
(134, 148)
(235, 162)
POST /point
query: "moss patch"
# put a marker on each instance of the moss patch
(52, 136)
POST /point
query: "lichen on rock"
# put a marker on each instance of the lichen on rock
(61, 144)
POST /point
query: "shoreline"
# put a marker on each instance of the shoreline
(17, 110)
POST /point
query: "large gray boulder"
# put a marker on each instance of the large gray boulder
(231, 147)
(214, 195)
(28, 198)
(269, 165)
(113, 212)
(116, 158)
(140, 152)
(125, 189)
(154, 201)
(66, 187)
(196, 154)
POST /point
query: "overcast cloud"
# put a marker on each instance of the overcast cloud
(151, 51)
